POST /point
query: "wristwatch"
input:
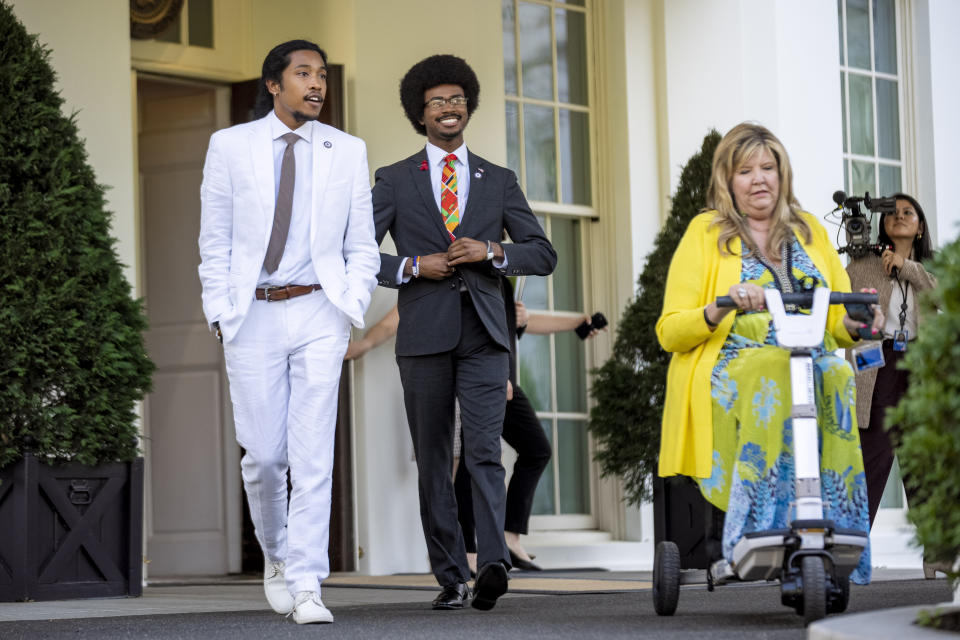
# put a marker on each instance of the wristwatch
(489, 251)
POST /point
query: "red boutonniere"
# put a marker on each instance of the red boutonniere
(424, 166)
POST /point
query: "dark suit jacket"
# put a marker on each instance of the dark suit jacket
(403, 204)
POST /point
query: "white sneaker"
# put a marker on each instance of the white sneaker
(309, 609)
(275, 587)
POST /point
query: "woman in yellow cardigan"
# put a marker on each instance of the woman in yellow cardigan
(726, 419)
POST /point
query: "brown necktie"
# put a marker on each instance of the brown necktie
(281, 211)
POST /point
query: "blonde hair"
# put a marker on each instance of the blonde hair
(736, 148)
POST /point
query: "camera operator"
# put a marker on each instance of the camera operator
(896, 271)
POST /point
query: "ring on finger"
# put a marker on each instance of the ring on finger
(742, 292)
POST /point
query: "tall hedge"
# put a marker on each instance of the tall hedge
(929, 414)
(72, 356)
(629, 388)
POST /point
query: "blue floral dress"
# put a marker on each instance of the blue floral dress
(753, 468)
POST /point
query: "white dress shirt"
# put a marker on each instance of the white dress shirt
(435, 160)
(296, 266)
(435, 156)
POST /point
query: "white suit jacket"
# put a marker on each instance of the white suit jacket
(237, 202)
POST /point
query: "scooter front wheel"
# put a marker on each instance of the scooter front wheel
(666, 578)
(814, 579)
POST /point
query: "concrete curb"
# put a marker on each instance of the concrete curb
(882, 624)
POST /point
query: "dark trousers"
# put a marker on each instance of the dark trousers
(475, 372)
(523, 431)
(876, 442)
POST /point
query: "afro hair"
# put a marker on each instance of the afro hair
(431, 72)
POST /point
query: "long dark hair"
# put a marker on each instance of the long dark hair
(922, 249)
(273, 65)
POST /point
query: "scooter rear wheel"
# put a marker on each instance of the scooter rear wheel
(666, 578)
(814, 589)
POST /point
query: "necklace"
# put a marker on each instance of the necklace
(782, 274)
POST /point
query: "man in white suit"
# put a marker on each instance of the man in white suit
(288, 262)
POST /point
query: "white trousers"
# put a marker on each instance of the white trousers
(284, 370)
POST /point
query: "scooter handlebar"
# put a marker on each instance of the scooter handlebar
(806, 299)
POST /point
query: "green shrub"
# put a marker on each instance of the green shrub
(929, 414)
(72, 357)
(629, 388)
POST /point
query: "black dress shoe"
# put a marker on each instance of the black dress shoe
(452, 596)
(491, 584)
(523, 565)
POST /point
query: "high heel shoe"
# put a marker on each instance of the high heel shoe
(930, 569)
(523, 565)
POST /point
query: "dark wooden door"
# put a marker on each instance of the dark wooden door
(342, 536)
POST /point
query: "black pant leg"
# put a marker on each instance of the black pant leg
(523, 431)
(428, 392)
(462, 485)
(482, 369)
(875, 440)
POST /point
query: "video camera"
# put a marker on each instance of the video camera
(857, 224)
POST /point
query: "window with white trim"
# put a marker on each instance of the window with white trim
(870, 87)
(870, 82)
(548, 117)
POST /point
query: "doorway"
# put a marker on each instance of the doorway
(192, 463)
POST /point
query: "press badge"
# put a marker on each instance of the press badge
(900, 340)
(868, 356)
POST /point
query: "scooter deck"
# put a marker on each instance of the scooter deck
(760, 555)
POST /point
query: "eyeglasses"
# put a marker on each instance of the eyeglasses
(439, 103)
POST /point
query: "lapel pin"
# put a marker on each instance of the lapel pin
(327, 144)
(424, 166)
(478, 174)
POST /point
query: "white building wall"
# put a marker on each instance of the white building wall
(89, 46)
(775, 63)
(649, 195)
(944, 125)
(388, 530)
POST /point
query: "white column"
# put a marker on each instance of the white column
(944, 126)
(776, 63)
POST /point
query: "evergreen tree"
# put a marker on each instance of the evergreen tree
(72, 356)
(928, 414)
(630, 387)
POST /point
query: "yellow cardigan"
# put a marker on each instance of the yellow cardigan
(698, 275)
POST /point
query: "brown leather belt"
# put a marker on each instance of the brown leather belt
(275, 294)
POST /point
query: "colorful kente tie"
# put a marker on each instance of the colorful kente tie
(449, 204)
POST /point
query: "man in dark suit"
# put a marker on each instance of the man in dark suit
(446, 209)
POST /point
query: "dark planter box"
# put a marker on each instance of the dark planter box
(70, 531)
(682, 516)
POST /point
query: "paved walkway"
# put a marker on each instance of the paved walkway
(199, 595)
(611, 604)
